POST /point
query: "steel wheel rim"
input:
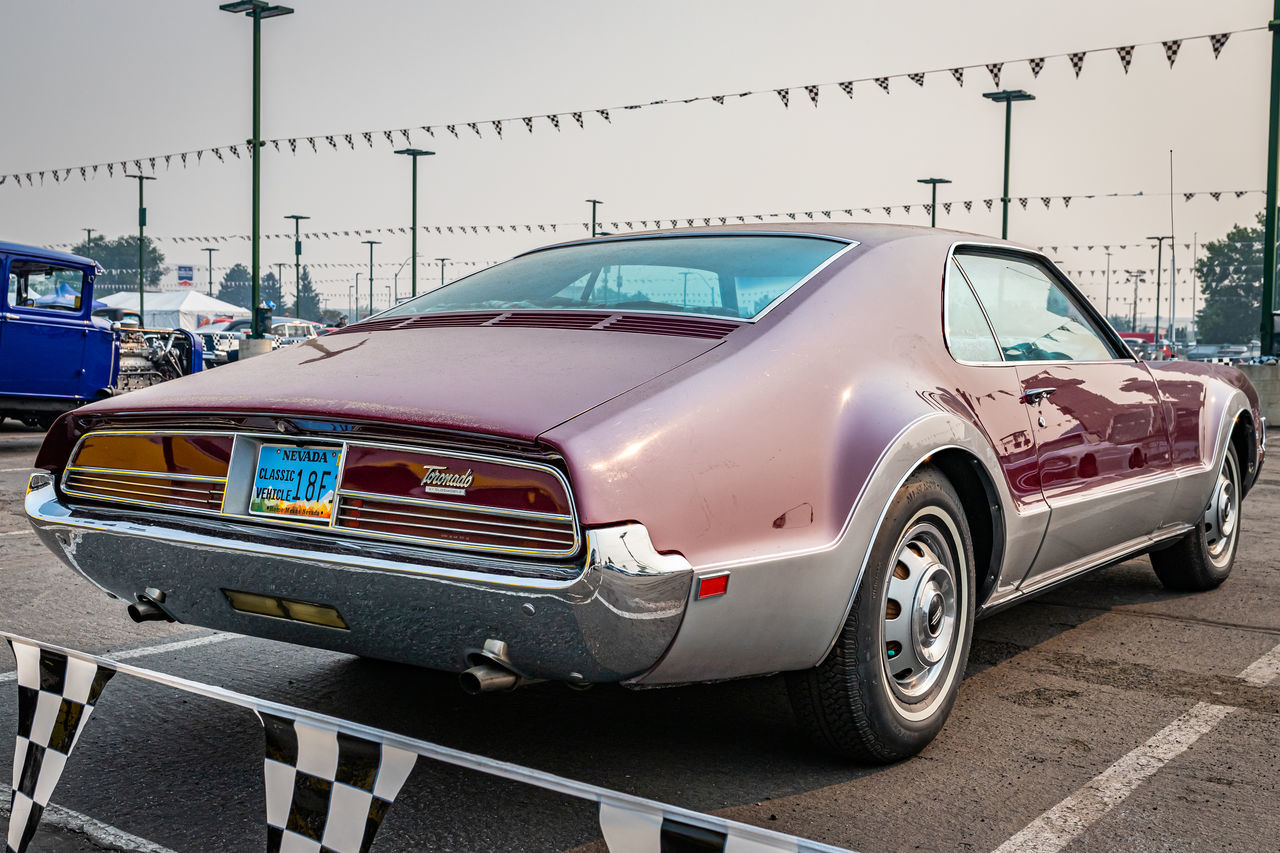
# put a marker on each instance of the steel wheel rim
(1222, 516)
(921, 616)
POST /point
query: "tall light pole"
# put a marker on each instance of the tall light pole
(414, 154)
(1007, 97)
(297, 262)
(933, 208)
(88, 240)
(442, 260)
(352, 289)
(210, 250)
(257, 10)
(1136, 277)
(371, 244)
(1159, 264)
(387, 288)
(1267, 327)
(142, 227)
(279, 265)
(595, 201)
(1106, 311)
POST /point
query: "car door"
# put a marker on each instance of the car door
(1101, 442)
(46, 325)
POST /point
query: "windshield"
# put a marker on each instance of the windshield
(731, 276)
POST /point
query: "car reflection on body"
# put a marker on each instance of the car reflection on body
(675, 457)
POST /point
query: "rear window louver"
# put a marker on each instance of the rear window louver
(640, 324)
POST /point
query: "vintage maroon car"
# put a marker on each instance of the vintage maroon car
(667, 458)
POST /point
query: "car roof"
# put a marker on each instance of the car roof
(51, 254)
(867, 234)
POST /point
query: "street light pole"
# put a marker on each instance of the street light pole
(279, 265)
(1159, 265)
(933, 208)
(414, 154)
(442, 260)
(1007, 97)
(352, 289)
(595, 201)
(210, 250)
(371, 244)
(142, 227)
(88, 240)
(1273, 178)
(1106, 311)
(297, 262)
(1135, 276)
(257, 10)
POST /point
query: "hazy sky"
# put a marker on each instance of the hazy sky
(91, 82)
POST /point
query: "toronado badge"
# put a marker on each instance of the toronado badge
(438, 481)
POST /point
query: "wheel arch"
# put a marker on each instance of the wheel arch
(1244, 438)
(983, 514)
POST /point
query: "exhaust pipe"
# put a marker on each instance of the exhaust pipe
(488, 678)
(147, 608)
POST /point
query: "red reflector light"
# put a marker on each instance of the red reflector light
(713, 585)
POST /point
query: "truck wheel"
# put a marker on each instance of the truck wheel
(1203, 558)
(887, 686)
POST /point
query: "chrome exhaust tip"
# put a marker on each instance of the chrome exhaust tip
(488, 678)
(147, 608)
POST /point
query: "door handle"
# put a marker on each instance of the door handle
(1034, 395)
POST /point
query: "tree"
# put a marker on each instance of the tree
(308, 307)
(1230, 276)
(119, 259)
(236, 286)
(1120, 322)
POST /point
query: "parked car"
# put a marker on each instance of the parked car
(56, 352)
(817, 449)
(1203, 352)
(291, 331)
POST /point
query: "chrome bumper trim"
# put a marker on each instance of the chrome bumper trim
(606, 618)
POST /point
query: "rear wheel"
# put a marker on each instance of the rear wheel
(887, 686)
(1203, 558)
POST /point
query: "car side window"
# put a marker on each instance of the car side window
(45, 287)
(1033, 317)
(969, 335)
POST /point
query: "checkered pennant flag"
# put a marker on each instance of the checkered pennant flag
(994, 68)
(958, 73)
(1126, 56)
(785, 95)
(883, 83)
(1218, 42)
(327, 792)
(1171, 49)
(56, 694)
(917, 78)
(628, 830)
(1077, 61)
(847, 88)
(812, 92)
(1037, 65)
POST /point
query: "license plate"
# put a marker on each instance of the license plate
(295, 482)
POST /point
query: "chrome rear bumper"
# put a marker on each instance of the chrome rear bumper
(607, 618)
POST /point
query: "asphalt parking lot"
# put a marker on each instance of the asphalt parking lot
(1136, 719)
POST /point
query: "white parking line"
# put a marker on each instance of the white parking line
(17, 533)
(1059, 826)
(12, 470)
(101, 834)
(147, 651)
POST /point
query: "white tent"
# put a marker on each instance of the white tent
(174, 309)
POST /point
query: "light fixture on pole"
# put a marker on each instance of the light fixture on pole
(1136, 277)
(371, 244)
(258, 10)
(1007, 97)
(595, 201)
(933, 208)
(297, 262)
(210, 250)
(414, 154)
(442, 260)
(142, 242)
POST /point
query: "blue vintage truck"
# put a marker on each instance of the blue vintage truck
(56, 354)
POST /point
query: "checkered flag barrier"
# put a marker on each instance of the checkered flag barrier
(56, 694)
(327, 791)
(1126, 56)
(329, 782)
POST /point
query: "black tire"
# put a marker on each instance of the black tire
(1203, 558)
(853, 703)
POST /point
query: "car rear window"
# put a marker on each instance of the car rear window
(727, 276)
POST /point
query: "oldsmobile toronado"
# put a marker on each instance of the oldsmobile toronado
(672, 457)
